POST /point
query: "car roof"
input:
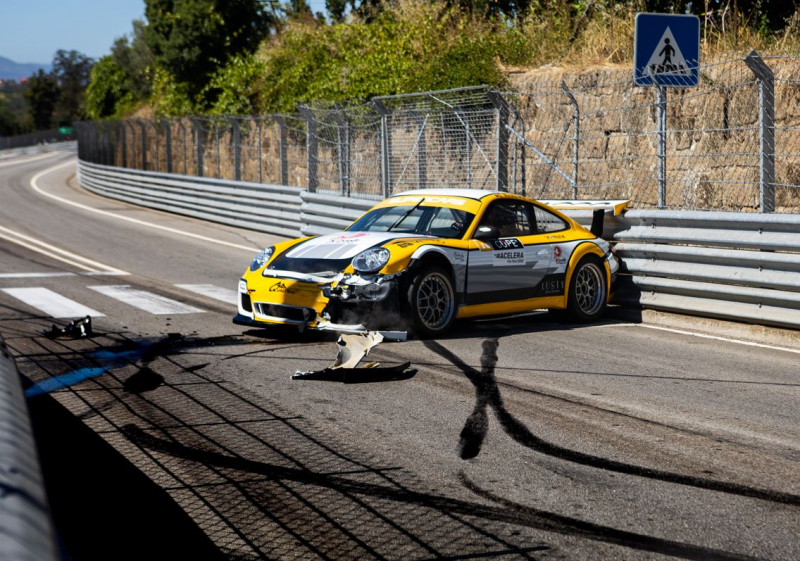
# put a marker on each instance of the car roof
(476, 194)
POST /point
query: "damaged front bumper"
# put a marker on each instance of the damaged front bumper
(339, 304)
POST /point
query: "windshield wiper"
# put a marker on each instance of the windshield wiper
(406, 215)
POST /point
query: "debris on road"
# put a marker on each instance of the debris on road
(353, 347)
(76, 329)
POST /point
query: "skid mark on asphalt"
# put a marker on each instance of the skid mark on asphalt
(488, 395)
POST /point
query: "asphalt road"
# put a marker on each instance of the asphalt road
(518, 438)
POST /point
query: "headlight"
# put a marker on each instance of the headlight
(262, 257)
(371, 260)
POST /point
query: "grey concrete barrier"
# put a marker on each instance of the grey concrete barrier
(272, 209)
(26, 529)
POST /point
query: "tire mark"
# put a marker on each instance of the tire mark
(488, 395)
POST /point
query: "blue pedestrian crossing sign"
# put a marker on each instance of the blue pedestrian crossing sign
(666, 50)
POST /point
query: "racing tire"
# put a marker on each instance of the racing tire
(431, 302)
(588, 291)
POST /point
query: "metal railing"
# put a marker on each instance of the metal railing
(731, 143)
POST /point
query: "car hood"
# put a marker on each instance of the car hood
(342, 245)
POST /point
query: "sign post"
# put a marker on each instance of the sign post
(666, 54)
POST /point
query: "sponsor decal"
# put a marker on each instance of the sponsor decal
(557, 254)
(508, 258)
(508, 243)
(552, 288)
(483, 246)
(556, 237)
(459, 257)
(404, 244)
(282, 288)
(349, 238)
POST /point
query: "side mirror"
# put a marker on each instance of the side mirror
(486, 233)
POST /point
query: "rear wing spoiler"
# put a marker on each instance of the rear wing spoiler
(616, 207)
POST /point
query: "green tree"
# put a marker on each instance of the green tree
(134, 58)
(71, 69)
(192, 39)
(42, 96)
(108, 94)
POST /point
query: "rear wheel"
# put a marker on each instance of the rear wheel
(588, 290)
(431, 301)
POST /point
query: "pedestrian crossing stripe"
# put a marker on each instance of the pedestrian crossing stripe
(212, 291)
(57, 306)
(143, 300)
(51, 303)
(667, 58)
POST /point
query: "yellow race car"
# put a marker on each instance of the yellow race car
(421, 259)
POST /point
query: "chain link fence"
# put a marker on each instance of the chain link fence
(730, 143)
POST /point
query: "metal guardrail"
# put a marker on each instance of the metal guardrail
(323, 214)
(266, 208)
(26, 530)
(744, 267)
(70, 146)
(731, 265)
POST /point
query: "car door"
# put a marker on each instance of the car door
(512, 263)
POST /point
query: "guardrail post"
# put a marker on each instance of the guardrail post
(343, 148)
(198, 145)
(386, 148)
(661, 117)
(311, 147)
(766, 125)
(501, 109)
(576, 124)
(143, 128)
(167, 142)
(237, 149)
(282, 149)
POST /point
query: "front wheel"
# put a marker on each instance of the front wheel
(431, 301)
(588, 290)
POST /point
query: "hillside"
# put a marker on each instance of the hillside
(10, 70)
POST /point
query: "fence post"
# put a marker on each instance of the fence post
(143, 128)
(766, 125)
(311, 147)
(386, 148)
(343, 148)
(422, 173)
(501, 109)
(167, 142)
(282, 149)
(237, 149)
(576, 124)
(216, 146)
(661, 117)
(198, 145)
(257, 121)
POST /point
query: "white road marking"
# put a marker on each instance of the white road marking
(57, 253)
(40, 157)
(51, 303)
(147, 301)
(704, 336)
(35, 187)
(213, 291)
(56, 275)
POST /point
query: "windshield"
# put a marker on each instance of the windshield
(438, 221)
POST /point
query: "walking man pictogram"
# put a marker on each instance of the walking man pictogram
(667, 51)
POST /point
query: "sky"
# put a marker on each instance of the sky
(33, 30)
